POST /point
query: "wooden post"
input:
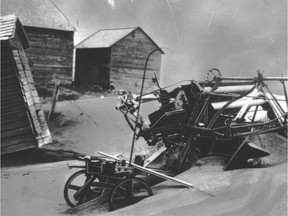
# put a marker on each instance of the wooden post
(54, 98)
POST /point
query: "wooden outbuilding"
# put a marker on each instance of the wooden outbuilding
(116, 57)
(23, 124)
(51, 39)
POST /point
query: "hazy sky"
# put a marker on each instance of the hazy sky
(236, 36)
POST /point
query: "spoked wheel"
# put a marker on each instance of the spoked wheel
(74, 184)
(128, 192)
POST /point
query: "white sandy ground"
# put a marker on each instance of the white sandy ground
(36, 190)
(93, 124)
(240, 192)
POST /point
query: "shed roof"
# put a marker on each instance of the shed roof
(9, 25)
(105, 38)
(37, 13)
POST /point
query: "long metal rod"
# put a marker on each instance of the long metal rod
(251, 78)
(152, 172)
(138, 111)
(227, 89)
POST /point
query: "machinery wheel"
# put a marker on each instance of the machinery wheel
(74, 183)
(128, 192)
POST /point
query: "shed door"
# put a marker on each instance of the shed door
(16, 131)
(93, 67)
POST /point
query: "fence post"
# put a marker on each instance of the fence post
(54, 98)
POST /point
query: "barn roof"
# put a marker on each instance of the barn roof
(105, 38)
(37, 13)
(9, 25)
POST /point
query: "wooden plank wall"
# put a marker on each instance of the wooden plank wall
(16, 131)
(30, 94)
(23, 123)
(50, 56)
(128, 58)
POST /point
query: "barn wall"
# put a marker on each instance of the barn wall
(128, 58)
(92, 67)
(16, 131)
(50, 56)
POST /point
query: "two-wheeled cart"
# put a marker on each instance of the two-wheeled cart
(106, 176)
(102, 176)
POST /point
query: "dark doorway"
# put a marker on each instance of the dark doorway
(93, 67)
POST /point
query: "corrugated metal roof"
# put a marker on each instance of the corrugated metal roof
(37, 13)
(9, 25)
(105, 38)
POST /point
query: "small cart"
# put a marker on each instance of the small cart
(102, 177)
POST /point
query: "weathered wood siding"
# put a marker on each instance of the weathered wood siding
(92, 67)
(16, 131)
(23, 123)
(50, 56)
(128, 58)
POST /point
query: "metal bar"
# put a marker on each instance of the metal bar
(237, 78)
(252, 78)
(226, 89)
(141, 95)
(152, 172)
(255, 112)
(276, 78)
(237, 104)
(232, 83)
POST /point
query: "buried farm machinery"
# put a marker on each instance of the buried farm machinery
(226, 119)
(237, 122)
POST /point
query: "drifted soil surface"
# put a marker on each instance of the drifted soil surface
(92, 124)
(38, 190)
(32, 182)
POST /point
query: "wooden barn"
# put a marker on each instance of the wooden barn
(51, 39)
(116, 57)
(23, 123)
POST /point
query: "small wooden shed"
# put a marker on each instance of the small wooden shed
(23, 123)
(51, 39)
(116, 57)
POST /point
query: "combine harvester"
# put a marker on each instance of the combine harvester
(237, 122)
(234, 122)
